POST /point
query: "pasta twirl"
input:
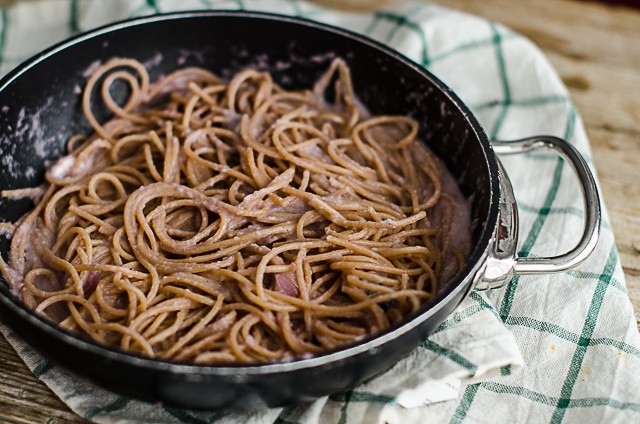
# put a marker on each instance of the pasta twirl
(217, 221)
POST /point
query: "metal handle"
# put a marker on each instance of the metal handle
(592, 215)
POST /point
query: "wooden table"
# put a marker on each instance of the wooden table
(596, 50)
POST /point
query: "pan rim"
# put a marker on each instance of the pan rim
(449, 291)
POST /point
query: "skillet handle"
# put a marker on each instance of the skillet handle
(502, 263)
(591, 204)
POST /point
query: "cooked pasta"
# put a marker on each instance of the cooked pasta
(217, 221)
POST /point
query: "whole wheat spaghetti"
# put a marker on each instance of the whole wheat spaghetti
(216, 221)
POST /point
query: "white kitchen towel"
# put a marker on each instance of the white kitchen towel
(554, 348)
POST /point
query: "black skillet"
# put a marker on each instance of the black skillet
(40, 106)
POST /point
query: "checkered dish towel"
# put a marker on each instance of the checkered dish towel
(554, 348)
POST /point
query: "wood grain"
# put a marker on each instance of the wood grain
(595, 50)
(24, 398)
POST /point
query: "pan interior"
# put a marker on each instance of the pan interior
(41, 101)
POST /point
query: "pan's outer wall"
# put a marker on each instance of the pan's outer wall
(40, 105)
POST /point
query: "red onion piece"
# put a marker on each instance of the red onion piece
(90, 283)
(286, 283)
